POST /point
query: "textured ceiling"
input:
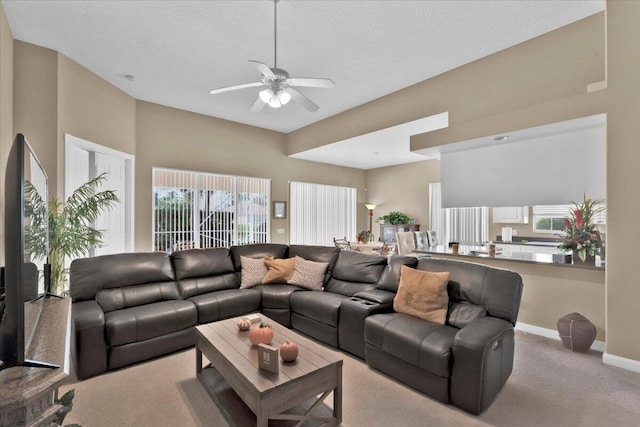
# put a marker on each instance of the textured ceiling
(179, 50)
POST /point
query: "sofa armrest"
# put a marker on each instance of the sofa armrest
(377, 295)
(89, 334)
(482, 362)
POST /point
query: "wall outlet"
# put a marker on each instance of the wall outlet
(280, 231)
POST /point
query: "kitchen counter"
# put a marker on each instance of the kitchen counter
(507, 255)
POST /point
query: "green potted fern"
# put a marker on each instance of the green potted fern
(71, 231)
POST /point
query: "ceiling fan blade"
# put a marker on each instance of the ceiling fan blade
(311, 82)
(303, 100)
(257, 106)
(263, 68)
(236, 87)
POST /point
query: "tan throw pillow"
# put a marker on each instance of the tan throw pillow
(253, 270)
(422, 294)
(308, 274)
(280, 270)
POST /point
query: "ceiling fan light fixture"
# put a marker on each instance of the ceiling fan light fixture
(274, 102)
(284, 96)
(266, 95)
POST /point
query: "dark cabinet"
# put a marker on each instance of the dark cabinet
(388, 231)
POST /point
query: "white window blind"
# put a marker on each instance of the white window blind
(562, 211)
(321, 212)
(469, 226)
(201, 210)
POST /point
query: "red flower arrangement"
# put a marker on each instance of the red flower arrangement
(581, 235)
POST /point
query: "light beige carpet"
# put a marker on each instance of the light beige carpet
(550, 386)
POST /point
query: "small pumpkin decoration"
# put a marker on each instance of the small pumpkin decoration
(262, 334)
(288, 351)
(244, 324)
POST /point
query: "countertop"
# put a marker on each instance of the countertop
(507, 255)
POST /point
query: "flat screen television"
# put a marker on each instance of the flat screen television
(26, 246)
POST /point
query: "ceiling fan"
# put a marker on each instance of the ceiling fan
(280, 88)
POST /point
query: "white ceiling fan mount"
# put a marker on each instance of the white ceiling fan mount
(280, 88)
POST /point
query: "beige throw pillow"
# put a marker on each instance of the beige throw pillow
(308, 274)
(422, 294)
(280, 270)
(253, 270)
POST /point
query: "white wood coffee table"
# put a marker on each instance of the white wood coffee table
(306, 382)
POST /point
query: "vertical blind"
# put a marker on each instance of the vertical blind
(201, 210)
(469, 226)
(321, 212)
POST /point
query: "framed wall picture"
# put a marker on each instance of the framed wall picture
(280, 210)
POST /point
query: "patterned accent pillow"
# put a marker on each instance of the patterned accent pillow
(253, 270)
(280, 270)
(423, 294)
(308, 274)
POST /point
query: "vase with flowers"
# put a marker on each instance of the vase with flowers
(365, 236)
(580, 233)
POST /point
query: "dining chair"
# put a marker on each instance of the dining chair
(406, 243)
(422, 240)
(343, 244)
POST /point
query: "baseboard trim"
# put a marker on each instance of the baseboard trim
(621, 362)
(553, 334)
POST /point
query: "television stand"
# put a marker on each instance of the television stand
(28, 392)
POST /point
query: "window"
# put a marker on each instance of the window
(550, 218)
(321, 212)
(469, 226)
(203, 210)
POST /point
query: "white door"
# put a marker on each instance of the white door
(112, 222)
(85, 160)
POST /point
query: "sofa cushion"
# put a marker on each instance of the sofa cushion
(253, 271)
(322, 307)
(308, 274)
(132, 296)
(423, 344)
(89, 275)
(391, 275)
(149, 321)
(422, 294)
(276, 296)
(279, 270)
(193, 263)
(224, 304)
(353, 266)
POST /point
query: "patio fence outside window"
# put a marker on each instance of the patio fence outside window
(205, 210)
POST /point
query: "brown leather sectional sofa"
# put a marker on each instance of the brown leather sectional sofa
(135, 306)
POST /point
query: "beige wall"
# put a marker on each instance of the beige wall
(35, 106)
(6, 111)
(402, 188)
(623, 174)
(552, 66)
(172, 138)
(93, 109)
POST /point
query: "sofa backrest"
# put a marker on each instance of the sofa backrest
(355, 272)
(199, 271)
(390, 278)
(328, 254)
(258, 250)
(498, 291)
(123, 280)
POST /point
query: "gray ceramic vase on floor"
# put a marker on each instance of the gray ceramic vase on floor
(576, 332)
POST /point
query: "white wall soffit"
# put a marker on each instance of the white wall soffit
(385, 147)
(551, 164)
